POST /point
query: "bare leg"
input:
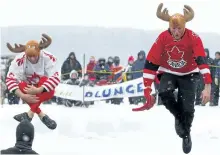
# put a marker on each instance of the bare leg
(41, 115)
(30, 114)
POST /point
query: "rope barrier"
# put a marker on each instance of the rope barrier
(110, 72)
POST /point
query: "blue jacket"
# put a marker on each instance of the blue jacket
(138, 66)
(100, 72)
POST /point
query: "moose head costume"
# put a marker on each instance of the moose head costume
(32, 47)
(177, 21)
(177, 18)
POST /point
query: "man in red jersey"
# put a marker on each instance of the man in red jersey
(176, 57)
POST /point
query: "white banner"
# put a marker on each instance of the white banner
(127, 89)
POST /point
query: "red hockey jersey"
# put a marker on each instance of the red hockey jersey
(180, 57)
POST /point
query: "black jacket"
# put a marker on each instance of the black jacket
(67, 67)
(24, 140)
(211, 63)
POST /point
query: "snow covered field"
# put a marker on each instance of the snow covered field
(105, 129)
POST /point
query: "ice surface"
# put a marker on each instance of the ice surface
(105, 129)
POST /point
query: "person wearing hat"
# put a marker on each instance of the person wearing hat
(24, 139)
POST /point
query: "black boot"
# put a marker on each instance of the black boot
(22, 116)
(187, 123)
(187, 144)
(51, 124)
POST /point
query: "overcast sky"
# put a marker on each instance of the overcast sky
(106, 13)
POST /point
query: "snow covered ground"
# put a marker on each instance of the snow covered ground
(105, 129)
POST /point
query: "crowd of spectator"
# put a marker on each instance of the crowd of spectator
(109, 69)
(103, 71)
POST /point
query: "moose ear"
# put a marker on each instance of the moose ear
(188, 13)
(17, 49)
(163, 15)
(45, 41)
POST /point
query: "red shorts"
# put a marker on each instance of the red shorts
(42, 97)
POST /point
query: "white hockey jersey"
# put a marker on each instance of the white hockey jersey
(23, 70)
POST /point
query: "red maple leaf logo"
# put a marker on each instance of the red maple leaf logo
(175, 54)
(50, 56)
(33, 79)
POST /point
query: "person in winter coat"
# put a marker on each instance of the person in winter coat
(102, 70)
(137, 72)
(24, 139)
(110, 63)
(71, 63)
(117, 77)
(117, 70)
(127, 75)
(90, 66)
(138, 65)
(210, 62)
(215, 92)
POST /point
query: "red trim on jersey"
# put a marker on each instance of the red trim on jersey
(11, 84)
(207, 78)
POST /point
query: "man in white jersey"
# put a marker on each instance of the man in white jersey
(33, 76)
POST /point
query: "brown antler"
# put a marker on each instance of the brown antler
(45, 42)
(17, 49)
(163, 15)
(188, 13)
